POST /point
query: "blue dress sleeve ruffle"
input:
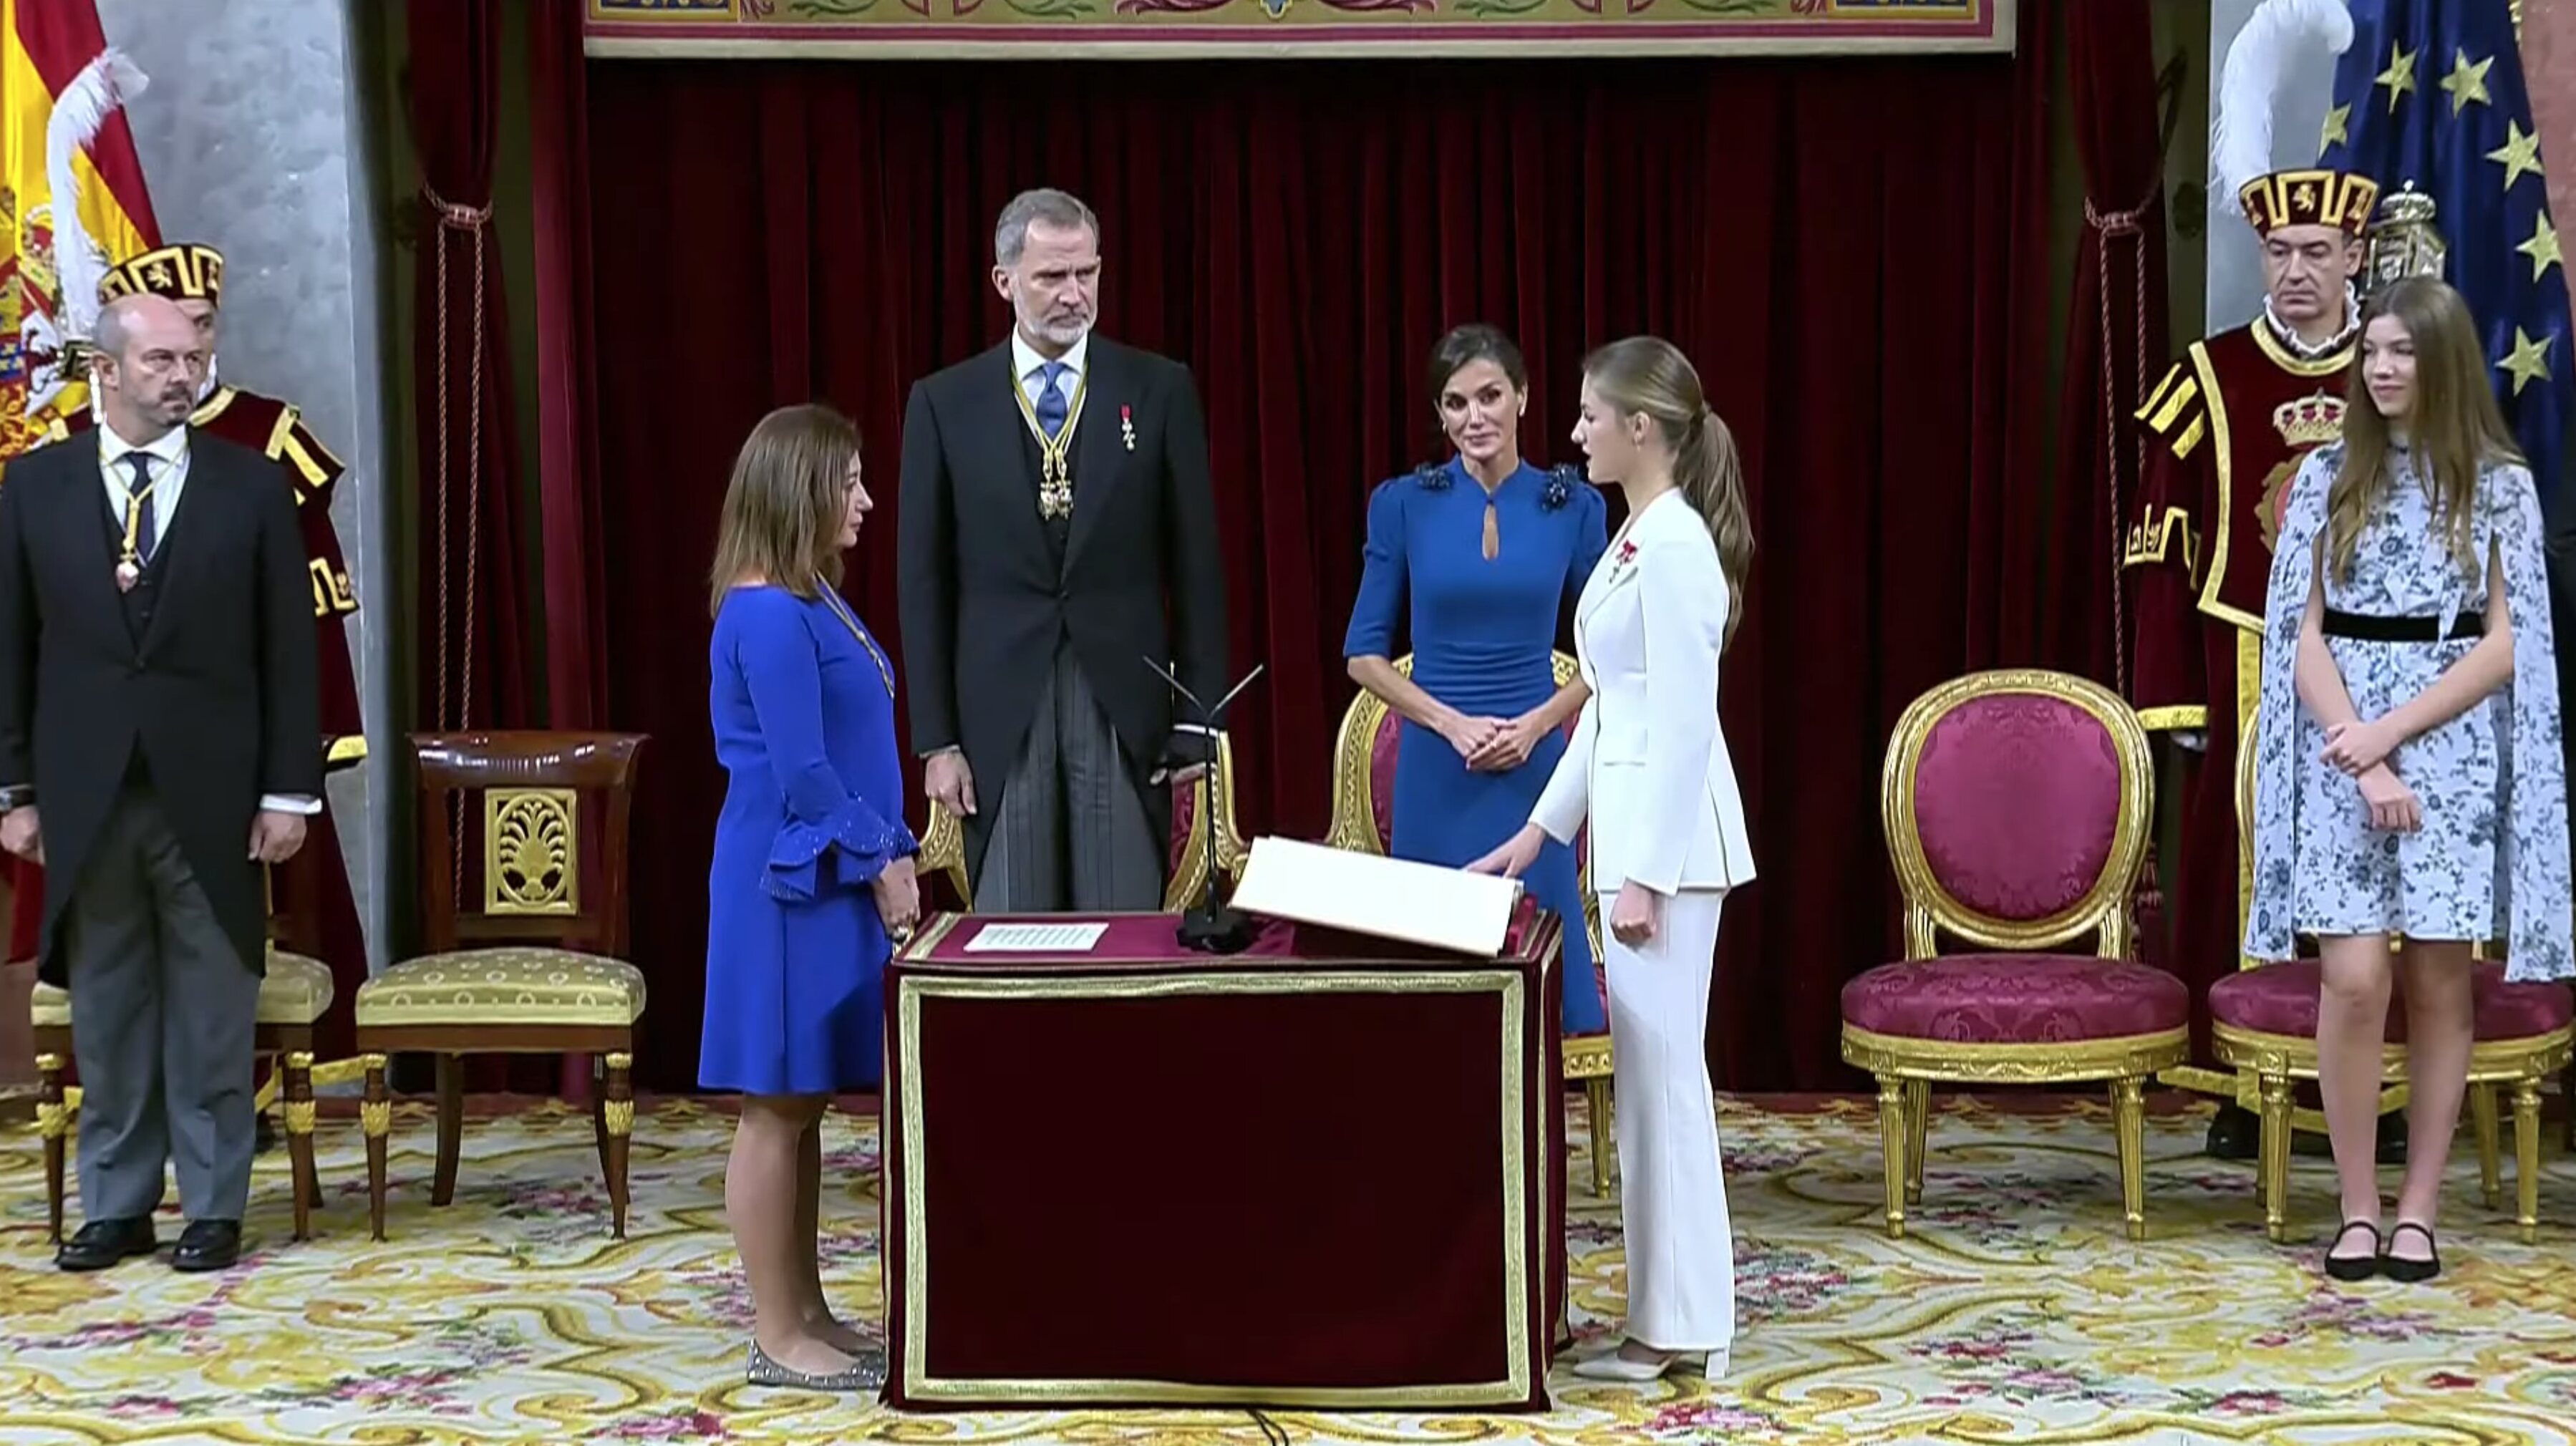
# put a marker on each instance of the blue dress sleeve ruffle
(846, 850)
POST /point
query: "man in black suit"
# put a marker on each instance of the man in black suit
(160, 744)
(1058, 530)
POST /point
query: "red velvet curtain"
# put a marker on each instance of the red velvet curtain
(2115, 343)
(473, 666)
(576, 621)
(1850, 250)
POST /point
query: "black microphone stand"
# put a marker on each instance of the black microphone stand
(1210, 926)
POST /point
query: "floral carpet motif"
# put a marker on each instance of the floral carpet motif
(2015, 1311)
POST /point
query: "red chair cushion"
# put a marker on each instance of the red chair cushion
(1185, 802)
(2017, 803)
(1382, 744)
(2282, 999)
(2015, 999)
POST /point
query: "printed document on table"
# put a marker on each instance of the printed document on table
(1036, 938)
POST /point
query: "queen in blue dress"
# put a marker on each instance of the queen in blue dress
(812, 879)
(1477, 559)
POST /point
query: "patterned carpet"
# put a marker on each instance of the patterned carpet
(2016, 1313)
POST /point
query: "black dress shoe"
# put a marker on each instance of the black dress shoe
(102, 1243)
(2235, 1133)
(2392, 1138)
(208, 1245)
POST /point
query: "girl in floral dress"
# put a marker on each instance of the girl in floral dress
(2409, 784)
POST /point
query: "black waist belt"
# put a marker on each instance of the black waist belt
(2402, 630)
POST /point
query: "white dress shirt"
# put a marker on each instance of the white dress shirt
(169, 467)
(1030, 367)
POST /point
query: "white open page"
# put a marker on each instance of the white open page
(1387, 898)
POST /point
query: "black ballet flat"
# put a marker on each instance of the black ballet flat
(2357, 1267)
(2412, 1272)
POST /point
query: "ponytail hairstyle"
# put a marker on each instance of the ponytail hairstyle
(1646, 374)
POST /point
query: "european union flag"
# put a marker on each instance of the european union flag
(2432, 92)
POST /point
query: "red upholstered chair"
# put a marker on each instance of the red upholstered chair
(943, 843)
(2017, 806)
(2263, 1020)
(1364, 820)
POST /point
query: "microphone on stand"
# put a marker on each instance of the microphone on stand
(1209, 926)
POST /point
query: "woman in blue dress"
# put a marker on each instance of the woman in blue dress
(1479, 557)
(813, 874)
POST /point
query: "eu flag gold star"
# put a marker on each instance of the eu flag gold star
(2542, 248)
(2338, 128)
(2467, 83)
(2528, 362)
(2399, 77)
(2519, 153)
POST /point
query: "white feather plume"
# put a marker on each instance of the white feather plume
(2240, 133)
(105, 84)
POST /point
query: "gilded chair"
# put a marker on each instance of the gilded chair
(523, 841)
(294, 993)
(1364, 821)
(1192, 817)
(2017, 806)
(943, 842)
(2264, 1023)
(943, 854)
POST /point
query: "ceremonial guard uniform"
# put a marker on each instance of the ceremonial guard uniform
(276, 430)
(2227, 428)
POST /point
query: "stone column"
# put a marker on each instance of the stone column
(256, 137)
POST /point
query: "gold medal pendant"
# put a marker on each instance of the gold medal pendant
(1055, 454)
(127, 575)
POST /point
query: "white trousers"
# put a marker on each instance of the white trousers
(1672, 1188)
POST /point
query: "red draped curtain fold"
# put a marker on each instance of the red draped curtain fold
(2115, 344)
(1850, 250)
(473, 663)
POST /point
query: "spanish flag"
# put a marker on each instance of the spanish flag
(71, 205)
(72, 198)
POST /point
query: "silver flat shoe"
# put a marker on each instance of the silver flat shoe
(868, 1375)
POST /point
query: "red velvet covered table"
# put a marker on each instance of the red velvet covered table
(1322, 1173)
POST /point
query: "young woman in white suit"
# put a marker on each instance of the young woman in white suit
(1648, 769)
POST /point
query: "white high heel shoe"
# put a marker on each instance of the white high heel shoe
(1612, 1366)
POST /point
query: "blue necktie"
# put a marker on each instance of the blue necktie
(1051, 405)
(146, 528)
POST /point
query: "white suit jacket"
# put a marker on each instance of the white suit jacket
(1648, 761)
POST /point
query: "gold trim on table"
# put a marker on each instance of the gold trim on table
(1517, 1122)
(1259, 29)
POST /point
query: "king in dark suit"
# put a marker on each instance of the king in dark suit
(1058, 530)
(159, 743)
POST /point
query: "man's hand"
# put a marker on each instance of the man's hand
(20, 834)
(275, 837)
(950, 783)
